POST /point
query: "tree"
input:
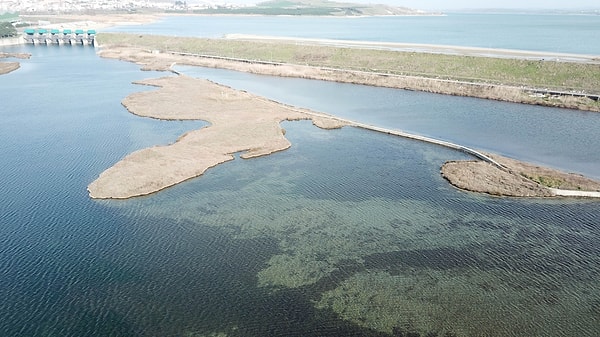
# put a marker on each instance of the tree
(7, 30)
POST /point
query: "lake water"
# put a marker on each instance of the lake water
(559, 138)
(551, 33)
(347, 233)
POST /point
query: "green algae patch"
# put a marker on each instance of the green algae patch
(292, 271)
(315, 240)
(446, 303)
(382, 302)
(386, 256)
(214, 334)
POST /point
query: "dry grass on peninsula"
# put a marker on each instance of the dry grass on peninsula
(520, 179)
(239, 122)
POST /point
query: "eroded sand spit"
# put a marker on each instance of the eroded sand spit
(240, 122)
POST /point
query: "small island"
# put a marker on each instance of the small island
(515, 178)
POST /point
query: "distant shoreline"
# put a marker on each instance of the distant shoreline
(430, 48)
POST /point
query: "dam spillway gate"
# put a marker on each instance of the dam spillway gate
(60, 37)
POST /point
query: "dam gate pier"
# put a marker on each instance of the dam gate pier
(43, 36)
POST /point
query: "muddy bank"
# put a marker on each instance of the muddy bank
(7, 67)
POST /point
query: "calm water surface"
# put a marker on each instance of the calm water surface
(560, 138)
(552, 33)
(347, 233)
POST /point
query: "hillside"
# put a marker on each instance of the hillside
(314, 7)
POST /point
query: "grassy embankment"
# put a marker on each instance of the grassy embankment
(495, 78)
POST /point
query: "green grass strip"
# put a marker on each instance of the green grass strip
(565, 76)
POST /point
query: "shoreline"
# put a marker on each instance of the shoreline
(98, 21)
(150, 170)
(428, 48)
(162, 59)
(7, 67)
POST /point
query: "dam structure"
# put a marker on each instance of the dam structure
(42, 36)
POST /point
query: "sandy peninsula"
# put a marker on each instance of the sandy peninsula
(241, 122)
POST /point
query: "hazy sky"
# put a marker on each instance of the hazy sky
(461, 4)
(455, 4)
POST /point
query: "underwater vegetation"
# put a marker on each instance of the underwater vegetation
(402, 253)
